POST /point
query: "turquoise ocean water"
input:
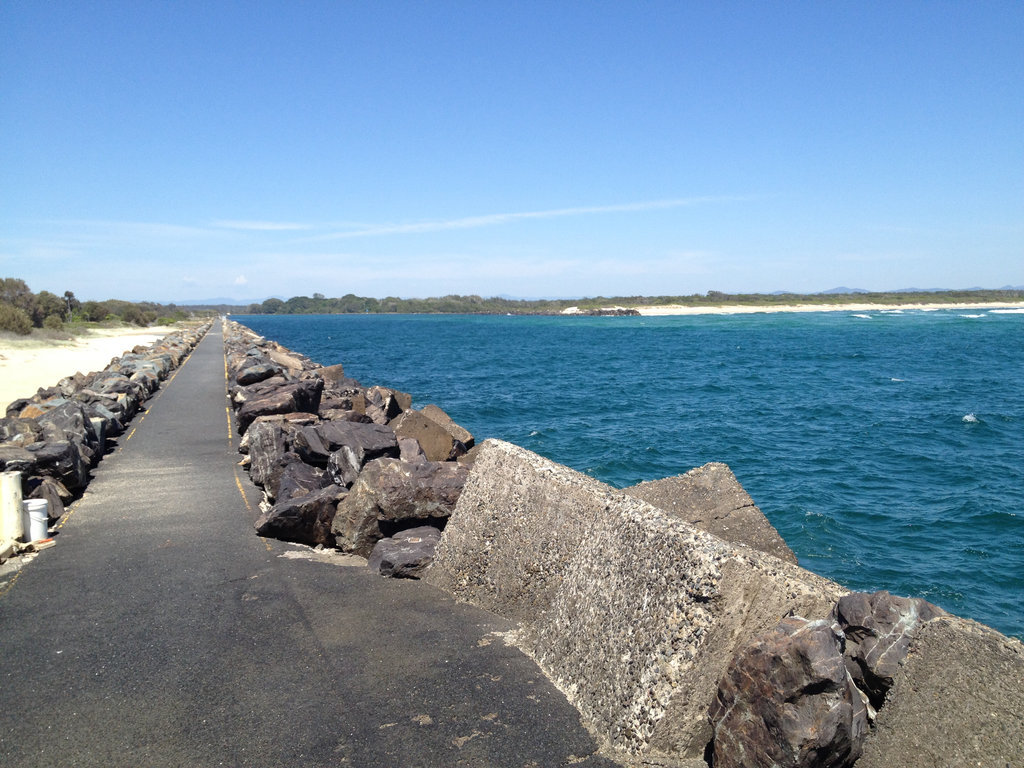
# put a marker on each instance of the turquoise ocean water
(886, 447)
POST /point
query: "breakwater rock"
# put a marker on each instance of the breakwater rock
(341, 464)
(55, 437)
(671, 614)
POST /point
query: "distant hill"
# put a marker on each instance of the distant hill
(844, 289)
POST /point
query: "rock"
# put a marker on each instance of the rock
(436, 442)
(305, 519)
(69, 421)
(409, 450)
(383, 404)
(292, 362)
(19, 431)
(438, 416)
(256, 373)
(297, 478)
(406, 554)
(266, 446)
(391, 494)
(355, 443)
(956, 700)
(788, 701)
(301, 396)
(333, 376)
(711, 498)
(879, 628)
(52, 491)
(634, 613)
(15, 458)
(63, 460)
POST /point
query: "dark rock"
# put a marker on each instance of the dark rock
(406, 554)
(301, 396)
(333, 376)
(390, 494)
(266, 444)
(15, 408)
(305, 519)
(69, 421)
(711, 498)
(438, 416)
(436, 442)
(297, 478)
(15, 458)
(357, 441)
(256, 373)
(51, 490)
(19, 431)
(62, 460)
(879, 628)
(383, 404)
(787, 700)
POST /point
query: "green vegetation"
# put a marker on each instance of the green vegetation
(474, 305)
(21, 310)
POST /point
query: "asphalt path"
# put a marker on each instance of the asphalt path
(161, 631)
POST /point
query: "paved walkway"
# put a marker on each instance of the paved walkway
(161, 631)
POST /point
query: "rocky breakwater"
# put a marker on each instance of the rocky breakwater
(341, 464)
(671, 614)
(55, 437)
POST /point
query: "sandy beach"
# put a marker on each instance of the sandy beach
(28, 364)
(745, 309)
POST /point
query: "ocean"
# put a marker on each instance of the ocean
(886, 447)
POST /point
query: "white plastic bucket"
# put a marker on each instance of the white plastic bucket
(36, 513)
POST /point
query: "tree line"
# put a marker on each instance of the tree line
(318, 304)
(21, 310)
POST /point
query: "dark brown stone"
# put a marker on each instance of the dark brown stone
(305, 519)
(787, 700)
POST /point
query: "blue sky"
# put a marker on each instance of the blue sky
(187, 150)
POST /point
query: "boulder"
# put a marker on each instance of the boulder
(333, 376)
(634, 613)
(390, 495)
(437, 442)
(254, 374)
(304, 519)
(19, 431)
(69, 421)
(266, 445)
(344, 446)
(438, 416)
(956, 700)
(879, 628)
(383, 404)
(16, 458)
(62, 460)
(296, 478)
(406, 554)
(711, 498)
(787, 701)
(409, 450)
(302, 396)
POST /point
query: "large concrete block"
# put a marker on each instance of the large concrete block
(957, 700)
(634, 613)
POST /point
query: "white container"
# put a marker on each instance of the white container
(36, 519)
(11, 512)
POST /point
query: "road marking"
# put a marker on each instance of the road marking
(227, 409)
(248, 506)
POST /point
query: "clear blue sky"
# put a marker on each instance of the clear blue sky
(183, 150)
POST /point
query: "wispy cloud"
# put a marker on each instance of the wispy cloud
(260, 226)
(494, 219)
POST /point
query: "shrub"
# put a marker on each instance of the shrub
(14, 319)
(53, 322)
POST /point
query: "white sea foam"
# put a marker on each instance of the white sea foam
(866, 317)
(894, 379)
(972, 316)
(892, 311)
(1018, 311)
(970, 418)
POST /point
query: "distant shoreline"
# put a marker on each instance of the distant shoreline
(656, 310)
